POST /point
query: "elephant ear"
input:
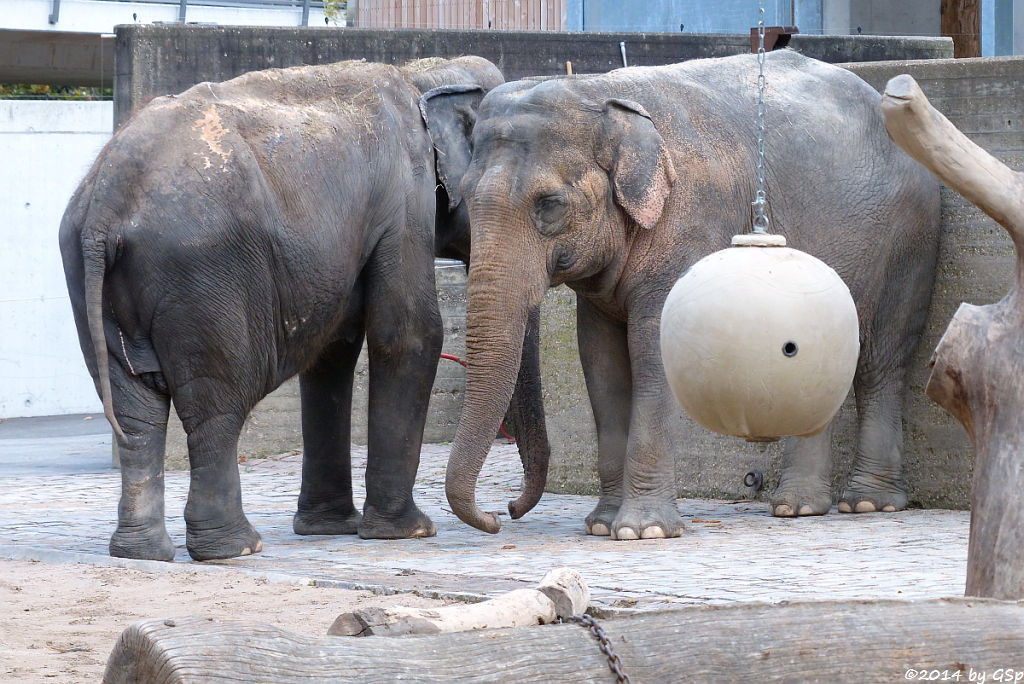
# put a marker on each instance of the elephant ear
(637, 160)
(449, 112)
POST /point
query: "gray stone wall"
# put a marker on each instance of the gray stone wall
(154, 60)
(982, 97)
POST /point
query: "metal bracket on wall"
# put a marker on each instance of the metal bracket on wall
(55, 14)
(775, 37)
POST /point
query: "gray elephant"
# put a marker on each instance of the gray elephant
(614, 185)
(245, 231)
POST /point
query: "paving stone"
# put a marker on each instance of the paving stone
(730, 551)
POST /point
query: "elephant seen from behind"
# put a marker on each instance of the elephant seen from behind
(243, 232)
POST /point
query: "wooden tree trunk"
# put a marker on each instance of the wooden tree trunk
(856, 641)
(978, 366)
(961, 21)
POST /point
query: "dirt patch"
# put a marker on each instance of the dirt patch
(60, 622)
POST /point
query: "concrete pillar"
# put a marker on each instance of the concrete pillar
(807, 15)
(1003, 35)
(835, 17)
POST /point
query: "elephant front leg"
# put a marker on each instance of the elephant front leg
(631, 408)
(215, 525)
(648, 508)
(604, 355)
(325, 497)
(805, 486)
(142, 414)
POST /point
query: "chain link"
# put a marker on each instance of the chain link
(760, 202)
(614, 663)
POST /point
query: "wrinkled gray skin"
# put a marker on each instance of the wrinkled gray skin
(614, 185)
(240, 233)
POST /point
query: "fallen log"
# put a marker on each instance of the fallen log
(978, 366)
(854, 641)
(561, 593)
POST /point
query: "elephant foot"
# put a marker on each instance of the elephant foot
(647, 519)
(412, 523)
(237, 539)
(343, 520)
(142, 543)
(791, 504)
(869, 493)
(599, 522)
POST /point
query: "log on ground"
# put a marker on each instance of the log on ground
(854, 641)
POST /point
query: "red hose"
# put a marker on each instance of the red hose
(504, 432)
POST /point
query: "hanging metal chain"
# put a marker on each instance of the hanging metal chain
(614, 663)
(760, 202)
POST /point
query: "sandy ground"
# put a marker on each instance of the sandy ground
(58, 623)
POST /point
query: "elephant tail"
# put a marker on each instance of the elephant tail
(95, 258)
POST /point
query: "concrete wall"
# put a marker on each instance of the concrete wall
(46, 148)
(159, 60)
(883, 17)
(156, 60)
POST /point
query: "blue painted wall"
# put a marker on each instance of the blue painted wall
(998, 36)
(695, 16)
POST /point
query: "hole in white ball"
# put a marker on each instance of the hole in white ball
(790, 349)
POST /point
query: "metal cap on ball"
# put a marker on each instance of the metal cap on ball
(758, 340)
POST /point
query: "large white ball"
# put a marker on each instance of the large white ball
(760, 342)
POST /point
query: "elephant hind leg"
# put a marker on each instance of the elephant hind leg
(141, 409)
(215, 525)
(877, 483)
(325, 497)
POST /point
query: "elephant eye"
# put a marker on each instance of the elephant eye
(549, 214)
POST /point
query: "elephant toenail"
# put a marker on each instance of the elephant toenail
(653, 532)
(845, 507)
(865, 507)
(783, 511)
(600, 530)
(626, 533)
(806, 510)
(889, 508)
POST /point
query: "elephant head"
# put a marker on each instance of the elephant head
(450, 112)
(556, 183)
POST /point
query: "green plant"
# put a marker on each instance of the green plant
(30, 91)
(335, 10)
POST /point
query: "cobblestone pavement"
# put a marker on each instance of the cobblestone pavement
(730, 551)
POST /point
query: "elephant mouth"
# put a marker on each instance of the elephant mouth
(562, 260)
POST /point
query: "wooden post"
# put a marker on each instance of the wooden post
(961, 21)
(978, 366)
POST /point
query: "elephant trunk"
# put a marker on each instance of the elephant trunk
(502, 293)
(527, 415)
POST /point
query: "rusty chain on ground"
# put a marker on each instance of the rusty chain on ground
(614, 663)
